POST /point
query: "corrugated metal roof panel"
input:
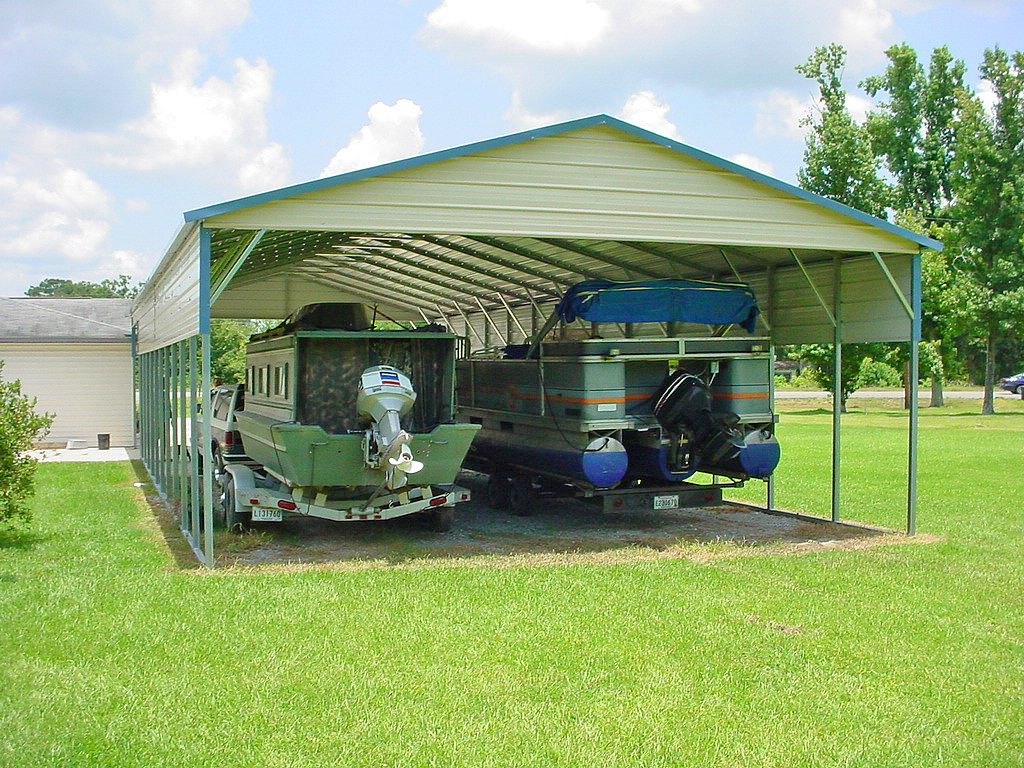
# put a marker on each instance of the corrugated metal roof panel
(594, 182)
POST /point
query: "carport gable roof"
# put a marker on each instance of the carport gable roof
(257, 211)
(506, 225)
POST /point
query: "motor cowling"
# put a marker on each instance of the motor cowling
(385, 395)
(717, 441)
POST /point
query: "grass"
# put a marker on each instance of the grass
(899, 655)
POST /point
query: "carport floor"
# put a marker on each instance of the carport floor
(558, 525)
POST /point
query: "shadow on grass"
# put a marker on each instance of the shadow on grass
(17, 538)
(165, 519)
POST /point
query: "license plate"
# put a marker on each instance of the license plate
(666, 502)
(266, 515)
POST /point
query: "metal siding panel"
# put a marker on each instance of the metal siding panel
(588, 184)
(798, 317)
(168, 310)
(871, 310)
(279, 296)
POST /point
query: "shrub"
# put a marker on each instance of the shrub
(20, 425)
(877, 374)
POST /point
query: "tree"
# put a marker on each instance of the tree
(20, 425)
(822, 357)
(227, 349)
(120, 287)
(987, 301)
(839, 163)
(915, 132)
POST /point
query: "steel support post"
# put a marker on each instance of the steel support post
(915, 341)
(183, 406)
(207, 438)
(162, 426)
(173, 425)
(193, 372)
(770, 275)
(771, 405)
(912, 441)
(837, 390)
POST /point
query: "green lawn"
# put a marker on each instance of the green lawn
(901, 655)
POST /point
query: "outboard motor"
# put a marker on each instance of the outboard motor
(683, 407)
(385, 395)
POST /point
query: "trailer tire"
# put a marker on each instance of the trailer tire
(499, 492)
(234, 520)
(522, 497)
(441, 519)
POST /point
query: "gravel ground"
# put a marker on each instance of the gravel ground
(558, 525)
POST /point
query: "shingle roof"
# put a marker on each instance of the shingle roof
(25, 319)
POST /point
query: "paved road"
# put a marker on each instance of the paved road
(924, 394)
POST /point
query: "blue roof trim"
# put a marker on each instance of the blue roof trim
(552, 130)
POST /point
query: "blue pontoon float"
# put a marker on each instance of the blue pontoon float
(625, 408)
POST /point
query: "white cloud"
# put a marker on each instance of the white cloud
(556, 26)
(986, 93)
(779, 115)
(865, 28)
(53, 211)
(88, 64)
(754, 163)
(392, 133)
(218, 127)
(523, 118)
(858, 107)
(645, 110)
(562, 53)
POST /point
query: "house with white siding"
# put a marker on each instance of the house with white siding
(75, 356)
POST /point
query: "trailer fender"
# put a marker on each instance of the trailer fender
(243, 476)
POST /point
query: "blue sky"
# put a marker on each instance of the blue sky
(118, 115)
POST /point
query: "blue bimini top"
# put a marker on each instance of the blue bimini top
(688, 301)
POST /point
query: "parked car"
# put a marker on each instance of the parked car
(227, 440)
(1013, 384)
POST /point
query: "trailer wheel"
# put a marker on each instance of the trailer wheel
(522, 497)
(499, 492)
(232, 519)
(441, 519)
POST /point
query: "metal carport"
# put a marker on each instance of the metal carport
(486, 237)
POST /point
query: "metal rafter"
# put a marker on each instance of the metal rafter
(368, 256)
(526, 253)
(680, 260)
(407, 300)
(756, 260)
(592, 253)
(831, 318)
(489, 256)
(389, 252)
(354, 266)
(444, 257)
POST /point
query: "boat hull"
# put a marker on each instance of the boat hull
(305, 455)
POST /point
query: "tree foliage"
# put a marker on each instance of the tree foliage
(915, 130)
(120, 287)
(987, 301)
(20, 425)
(227, 349)
(957, 169)
(839, 162)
